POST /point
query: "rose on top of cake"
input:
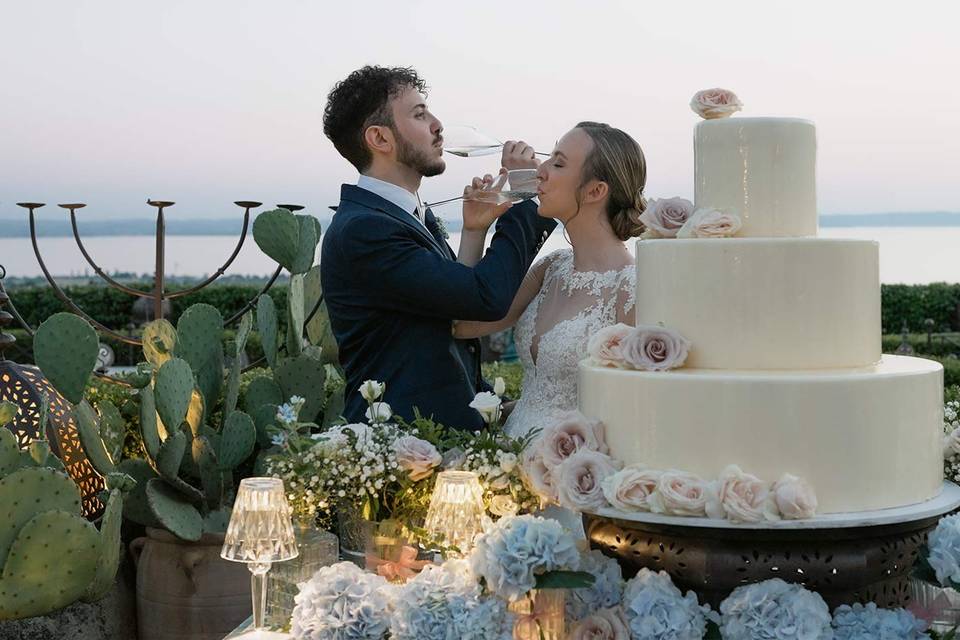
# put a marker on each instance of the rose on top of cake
(711, 104)
(643, 348)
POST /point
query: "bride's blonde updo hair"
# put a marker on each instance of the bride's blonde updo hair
(618, 160)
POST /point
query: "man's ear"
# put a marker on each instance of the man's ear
(379, 138)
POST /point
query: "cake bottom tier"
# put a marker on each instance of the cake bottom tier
(867, 438)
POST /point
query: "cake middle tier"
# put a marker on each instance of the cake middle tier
(865, 438)
(764, 303)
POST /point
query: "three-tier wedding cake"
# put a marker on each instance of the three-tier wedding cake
(784, 372)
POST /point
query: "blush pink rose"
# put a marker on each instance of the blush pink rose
(630, 488)
(417, 457)
(715, 103)
(680, 494)
(653, 348)
(710, 223)
(604, 345)
(742, 497)
(580, 479)
(605, 624)
(795, 497)
(537, 475)
(572, 432)
(664, 217)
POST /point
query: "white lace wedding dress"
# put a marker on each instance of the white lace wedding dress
(552, 335)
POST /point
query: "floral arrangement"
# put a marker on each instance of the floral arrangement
(715, 103)
(862, 622)
(774, 609)
(654, 608)
(942, 565)
(446, 601)
(604, 624)
(342, 602)
(606, 590)
(644, 347)
(951, 440)
(521, 553)
(677, 218)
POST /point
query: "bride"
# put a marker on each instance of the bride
(593, 184)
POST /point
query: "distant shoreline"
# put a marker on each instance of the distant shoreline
(19, 228)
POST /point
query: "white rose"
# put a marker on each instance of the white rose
(665, 216)
(371, 390)
(680, 494)
(951, 444)
(654, 348)
(499, 386)
(487, 405)
(379, 412)
(538, 476)
(795, 497)
(630, 488)
(715, 103)
(604, 345)
(508, 461)
(605, 624)
(503, 506)
(580, 480)
(743, 497)
(572, 432)
(710, 223)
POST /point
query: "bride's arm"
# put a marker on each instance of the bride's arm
(525, 294)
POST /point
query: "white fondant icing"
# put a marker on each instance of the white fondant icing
(764, 303)
(762, 169)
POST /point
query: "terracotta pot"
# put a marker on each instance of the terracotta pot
(186, 590)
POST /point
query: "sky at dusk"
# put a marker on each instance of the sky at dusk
(205, 102)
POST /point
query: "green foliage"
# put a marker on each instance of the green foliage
(511, 372)
(938, 345)
(913, 304)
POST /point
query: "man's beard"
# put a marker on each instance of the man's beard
(417, 159)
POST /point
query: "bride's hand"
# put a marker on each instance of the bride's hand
(478, 216)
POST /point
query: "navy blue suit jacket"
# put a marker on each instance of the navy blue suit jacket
(393, 288)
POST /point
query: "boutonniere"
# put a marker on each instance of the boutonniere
(441, 228)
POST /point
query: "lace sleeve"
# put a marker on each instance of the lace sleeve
(627, 297)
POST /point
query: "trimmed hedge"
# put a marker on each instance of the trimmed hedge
(913, 304)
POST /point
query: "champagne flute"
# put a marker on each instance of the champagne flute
(468, 142)
(523, 183)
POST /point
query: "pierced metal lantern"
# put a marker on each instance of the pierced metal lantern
(25, 386)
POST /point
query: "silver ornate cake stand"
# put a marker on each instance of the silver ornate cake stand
(846, 558)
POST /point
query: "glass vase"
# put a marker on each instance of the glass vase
(939, 606)
(317, 549)
(541, 615)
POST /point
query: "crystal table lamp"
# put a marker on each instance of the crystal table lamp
(456, 512)
(260, 533)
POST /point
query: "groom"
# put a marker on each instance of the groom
(392, 284)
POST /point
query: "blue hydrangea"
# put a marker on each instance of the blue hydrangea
(945, 550)
(775, 610)
(869, 622)
(607, 589)
(656, 610)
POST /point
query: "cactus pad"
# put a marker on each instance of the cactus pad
(210, 476)
(159, 340)
(171, 453)
(8, 411)
(135, 505)
(65, 348)
(110, 548)
(9, 453)
(303, 377)
(113, 428)
(91, 439)
(237, 440)
(216, 521)
(199, 342)
(174, 513)
(149, 429)
(267, 327)
(277, 233)
(27, 492)
(295, 316)
(261, 391)
(50, 565)
(264, 416)
(307, 243)
(173, 391)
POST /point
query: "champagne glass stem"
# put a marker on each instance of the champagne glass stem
(258, 592)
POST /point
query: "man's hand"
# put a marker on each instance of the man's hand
(518, 155)
(478, 216)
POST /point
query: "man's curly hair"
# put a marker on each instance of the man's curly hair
(361, 100)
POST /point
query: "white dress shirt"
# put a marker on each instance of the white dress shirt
(409, 202)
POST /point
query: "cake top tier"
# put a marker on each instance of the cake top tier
(761, 169)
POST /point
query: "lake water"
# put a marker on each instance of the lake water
(911, 255)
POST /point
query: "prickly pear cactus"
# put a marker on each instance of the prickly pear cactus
(237, 440)
(9, 453)
(199, 333)
(295, 316)
(135, 505)
(261, 391)
(290, 240)
(108, 558)
(8, 411)
(303, 377)
(174, 513)
(28, 492)
(91, 439)
(149, 427)
(159, 340)
(267, 325)
(65, 348)
(173, 391)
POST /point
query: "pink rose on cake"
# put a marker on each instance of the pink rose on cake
(538, 476)
(604, 345)
(680, 494)
(630, 488)
(571, 433)
(710, 223)
(580, 480)
(741, 497)
(654, 348)
(664, 217)
(715, 103)
(795, 497)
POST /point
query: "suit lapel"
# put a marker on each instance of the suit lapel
(369, 199)
(434, 227)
